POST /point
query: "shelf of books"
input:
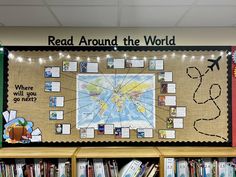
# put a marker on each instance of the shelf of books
(117, 161)
(36, 162)
(198, 161)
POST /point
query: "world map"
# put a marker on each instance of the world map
(124, 100)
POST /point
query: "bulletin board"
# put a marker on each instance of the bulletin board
(138, 94)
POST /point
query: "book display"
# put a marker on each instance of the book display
(35, 167)
(122, 95)
(81, 102)
(199, 167)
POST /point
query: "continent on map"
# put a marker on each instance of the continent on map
(93, 88)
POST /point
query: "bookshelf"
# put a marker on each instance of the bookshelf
(75, 153)
(117, 152)
(197, 151)
(40, 152)
(37, 152)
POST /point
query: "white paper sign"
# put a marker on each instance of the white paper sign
(92, 67)
(170, 100)
(168, 77)
(124, 132)
(171, 88)
(178, 123)
(65, 129)
(119, 63)
(108, 129)
(180, 111)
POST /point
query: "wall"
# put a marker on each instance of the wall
(184, 36)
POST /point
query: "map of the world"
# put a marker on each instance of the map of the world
(124, 100)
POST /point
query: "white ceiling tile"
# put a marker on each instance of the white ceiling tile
(82, 2)
(151, 16)
(21, 2)
(156, 2)
(26, 16)
(86, 16)
(210, 16)
(216, 2)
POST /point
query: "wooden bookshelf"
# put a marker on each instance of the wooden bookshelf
(38, 152)
(197, 151)
(118, 152)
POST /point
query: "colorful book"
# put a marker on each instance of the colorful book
(98, 168)
(169, 164)
(182, 168)
(81, 167)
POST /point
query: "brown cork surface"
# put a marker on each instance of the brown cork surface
(33, 75)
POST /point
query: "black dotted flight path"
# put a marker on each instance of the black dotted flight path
(199, 76)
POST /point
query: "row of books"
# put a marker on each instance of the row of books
(205, 167)
(110, 168)
(35, 168)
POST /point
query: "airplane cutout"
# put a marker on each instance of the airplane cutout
(214, 63)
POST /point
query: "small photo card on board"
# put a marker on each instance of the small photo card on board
(88, 67)
(56, 115)
(169, 122)
(119, 63)
(125, 131)
(64, 129)
(178, 122)
(144, 132)
(110, 63)
(168, 88)
(108, 129)
(70, 66)
(87, 132)
(165, 77)
(56, 101)
(166, 134)
(101, 128)
(178, 111)
(118, 132)
(134, 63)
(161, 100)
(156, 64)
(52, 72)
(170, 100)
(52, 86)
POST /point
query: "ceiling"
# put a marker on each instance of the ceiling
(118, 13)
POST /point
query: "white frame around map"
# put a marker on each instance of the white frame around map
(124, 124)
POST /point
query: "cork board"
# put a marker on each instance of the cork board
(197, 92)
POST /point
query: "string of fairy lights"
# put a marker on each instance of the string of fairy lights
(62, 55)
